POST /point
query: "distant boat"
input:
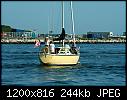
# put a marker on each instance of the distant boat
(64, 54)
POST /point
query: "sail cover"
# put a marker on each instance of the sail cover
(61, 37)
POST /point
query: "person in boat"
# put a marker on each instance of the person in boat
(52, 47)
(74, 49)
(67, 46)
(47, 41)
(46, 48)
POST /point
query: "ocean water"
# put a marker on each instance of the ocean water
(100, 65)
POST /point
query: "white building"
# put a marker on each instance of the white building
(99, 35)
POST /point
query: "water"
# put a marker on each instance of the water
(100, 65)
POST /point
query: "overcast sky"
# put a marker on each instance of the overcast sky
(100, 16)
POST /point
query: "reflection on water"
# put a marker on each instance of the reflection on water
(51, 67)
(59, 75)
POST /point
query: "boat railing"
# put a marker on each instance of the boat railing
(58, 50)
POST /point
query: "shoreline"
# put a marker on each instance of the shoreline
(65, 43)
(89, 41)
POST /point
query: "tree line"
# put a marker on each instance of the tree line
(6, 28)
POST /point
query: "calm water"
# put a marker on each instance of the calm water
(100, 65)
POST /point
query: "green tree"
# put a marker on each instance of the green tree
(6, 28)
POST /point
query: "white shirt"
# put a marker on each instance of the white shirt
(47, 43)
(52, 47)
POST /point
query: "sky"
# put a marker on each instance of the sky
(42, 16)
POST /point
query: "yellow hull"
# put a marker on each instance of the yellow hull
(55, 59)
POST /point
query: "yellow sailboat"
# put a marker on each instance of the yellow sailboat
(62, 55)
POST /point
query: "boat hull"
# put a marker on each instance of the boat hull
(50, 59)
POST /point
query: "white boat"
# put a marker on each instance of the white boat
(65, 54)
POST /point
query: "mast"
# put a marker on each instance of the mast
(51, 30)
(72, 17)
(48, 26)
(63, 20)
(62, 35)
(62, 14)
(50, 23)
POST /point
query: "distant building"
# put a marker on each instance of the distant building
(84, 35)
(41, 35)
(47, 35)
(18, 35)
(68, 36)
(99, 35)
